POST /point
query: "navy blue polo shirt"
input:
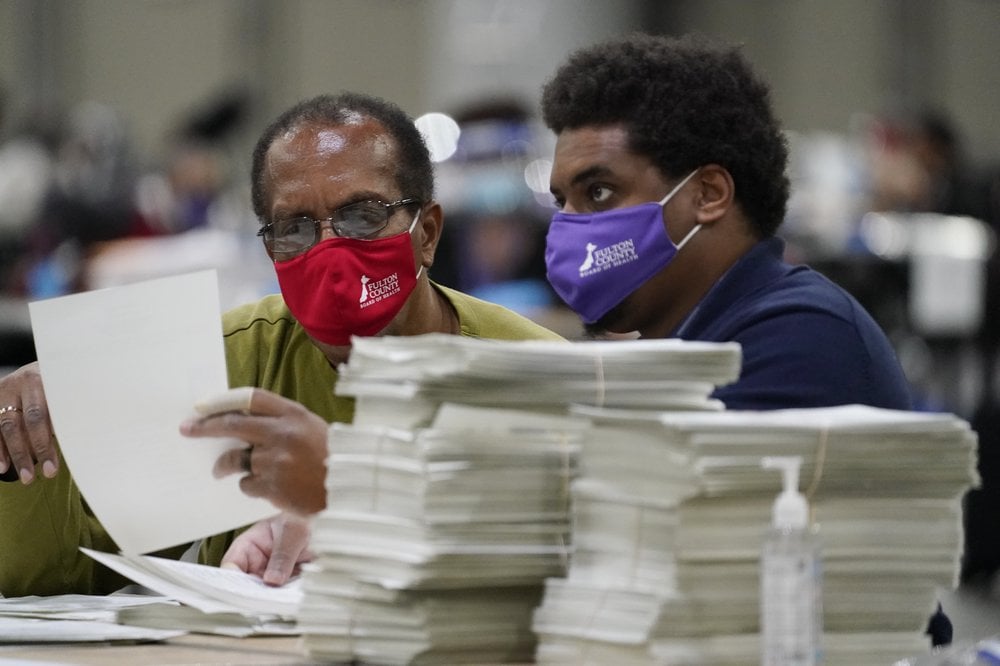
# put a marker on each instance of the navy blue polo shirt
(806, 341)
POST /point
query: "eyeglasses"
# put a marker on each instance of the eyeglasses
(286, 239)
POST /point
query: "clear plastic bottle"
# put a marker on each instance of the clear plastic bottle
(791, 599)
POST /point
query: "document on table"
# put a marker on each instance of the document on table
(206, 588)
(122, 367)
(75, 618)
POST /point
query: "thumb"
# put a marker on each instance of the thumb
(289, 543)
(279, 568)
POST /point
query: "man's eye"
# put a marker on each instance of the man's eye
(599, 193)
(291, 226)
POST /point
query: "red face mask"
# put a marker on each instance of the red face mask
(348, 286)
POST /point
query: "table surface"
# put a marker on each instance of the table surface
(187, 649)
(975, 615)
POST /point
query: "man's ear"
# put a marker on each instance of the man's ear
(716, 193)
(431, 223)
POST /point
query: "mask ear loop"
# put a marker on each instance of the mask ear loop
(664, 200)
(413, 225)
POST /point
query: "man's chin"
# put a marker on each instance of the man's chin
(335, 354)
(609, 325)
(594, 331)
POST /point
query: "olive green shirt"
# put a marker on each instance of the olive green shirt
(44, 524)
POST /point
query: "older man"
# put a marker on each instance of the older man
(343, 186)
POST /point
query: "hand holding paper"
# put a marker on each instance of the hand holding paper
(122, 367)
(284, 457)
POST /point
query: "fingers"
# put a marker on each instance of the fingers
(233, 400)
(21, 457)
(272, 549)
(249, 550)
(234, 461)
(247, 427)
(25, 430)
(7, 427)
(290, 549)
(245, 413)
(247, 399)
(36, 421)
(284, 461)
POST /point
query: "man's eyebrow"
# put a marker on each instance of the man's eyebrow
(585, 175)
(589, 173)
(284, 210)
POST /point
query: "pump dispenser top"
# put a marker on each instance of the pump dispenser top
(790, 510)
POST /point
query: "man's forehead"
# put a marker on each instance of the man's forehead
(592, 138)
(366, 141)
(589, 151)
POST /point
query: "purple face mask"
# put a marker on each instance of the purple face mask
(595, 260)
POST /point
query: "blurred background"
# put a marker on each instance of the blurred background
(126, 128)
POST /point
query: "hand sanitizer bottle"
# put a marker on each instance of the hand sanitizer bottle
(791, 607)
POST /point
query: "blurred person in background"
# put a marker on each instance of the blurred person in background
(89, 199)
(344, 190)
(917, 163)
(493, 246)
(26, 172)
(195, 188)
(27, 158)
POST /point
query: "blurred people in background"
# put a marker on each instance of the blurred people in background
(917, 164)
(180, 197)
(27, 165)
(71, 181)
(89, 200)
(25, 177)
(195, 188)
(493, 246)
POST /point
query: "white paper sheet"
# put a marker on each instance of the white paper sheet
(122, 367)
(209, 589)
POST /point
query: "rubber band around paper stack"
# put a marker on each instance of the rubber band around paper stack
(449, 498)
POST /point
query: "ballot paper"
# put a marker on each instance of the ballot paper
(401, 381)
(450, 495)
(519, 372)
(665, 567)
(36, 630)
(75, 618)
(435, 541)
(209, 589)
(122, 368)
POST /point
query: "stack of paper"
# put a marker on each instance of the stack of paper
(449, 497)
(204, 599)
(369, 623)
(884, 487)
(439, 507)
(634, 475)
(401, 380)
(75, 618)
(435, 541)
